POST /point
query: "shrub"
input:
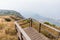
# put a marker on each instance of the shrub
(10, 31)
(7, 19)
(53, 25)
(49, 24)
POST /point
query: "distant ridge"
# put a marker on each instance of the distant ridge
(10, 12)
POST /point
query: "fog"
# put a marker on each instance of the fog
(46, 8)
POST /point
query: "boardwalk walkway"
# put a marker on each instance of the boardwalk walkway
(34, 35)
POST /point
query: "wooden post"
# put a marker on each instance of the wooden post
(21, 36)
(16, 28)
(18, 38)
(30, 22)
(58, 36)
(39, 27)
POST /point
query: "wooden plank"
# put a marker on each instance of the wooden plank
(24, 23)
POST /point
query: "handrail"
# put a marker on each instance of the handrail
(22, 31)
(23, 19)
(51, 27)
(24, 23)
(47, 25)
(40, 24)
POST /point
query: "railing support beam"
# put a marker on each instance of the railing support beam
(21, 36)
(39, 27)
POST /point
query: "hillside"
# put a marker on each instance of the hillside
(7, 26)
(10, 12)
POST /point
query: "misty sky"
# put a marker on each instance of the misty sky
(46, 8)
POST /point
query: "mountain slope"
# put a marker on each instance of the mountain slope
(10, 12)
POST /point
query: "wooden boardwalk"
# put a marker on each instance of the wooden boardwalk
(29, 33)
(34, 35)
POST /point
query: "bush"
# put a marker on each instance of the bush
(10, 31)
(7, 19)
(53, 25)
(49, 24)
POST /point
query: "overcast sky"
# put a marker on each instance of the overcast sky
(46, 8)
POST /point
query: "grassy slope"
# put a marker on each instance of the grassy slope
(7, 29)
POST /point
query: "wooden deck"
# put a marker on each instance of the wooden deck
(34, 35)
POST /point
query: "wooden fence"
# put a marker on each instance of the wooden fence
(21, 32)
(49, 31)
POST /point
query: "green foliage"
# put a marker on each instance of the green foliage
(49, 24)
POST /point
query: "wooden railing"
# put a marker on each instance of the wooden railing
(51, 31)
(21, 32)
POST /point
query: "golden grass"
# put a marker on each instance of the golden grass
(7, 30)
